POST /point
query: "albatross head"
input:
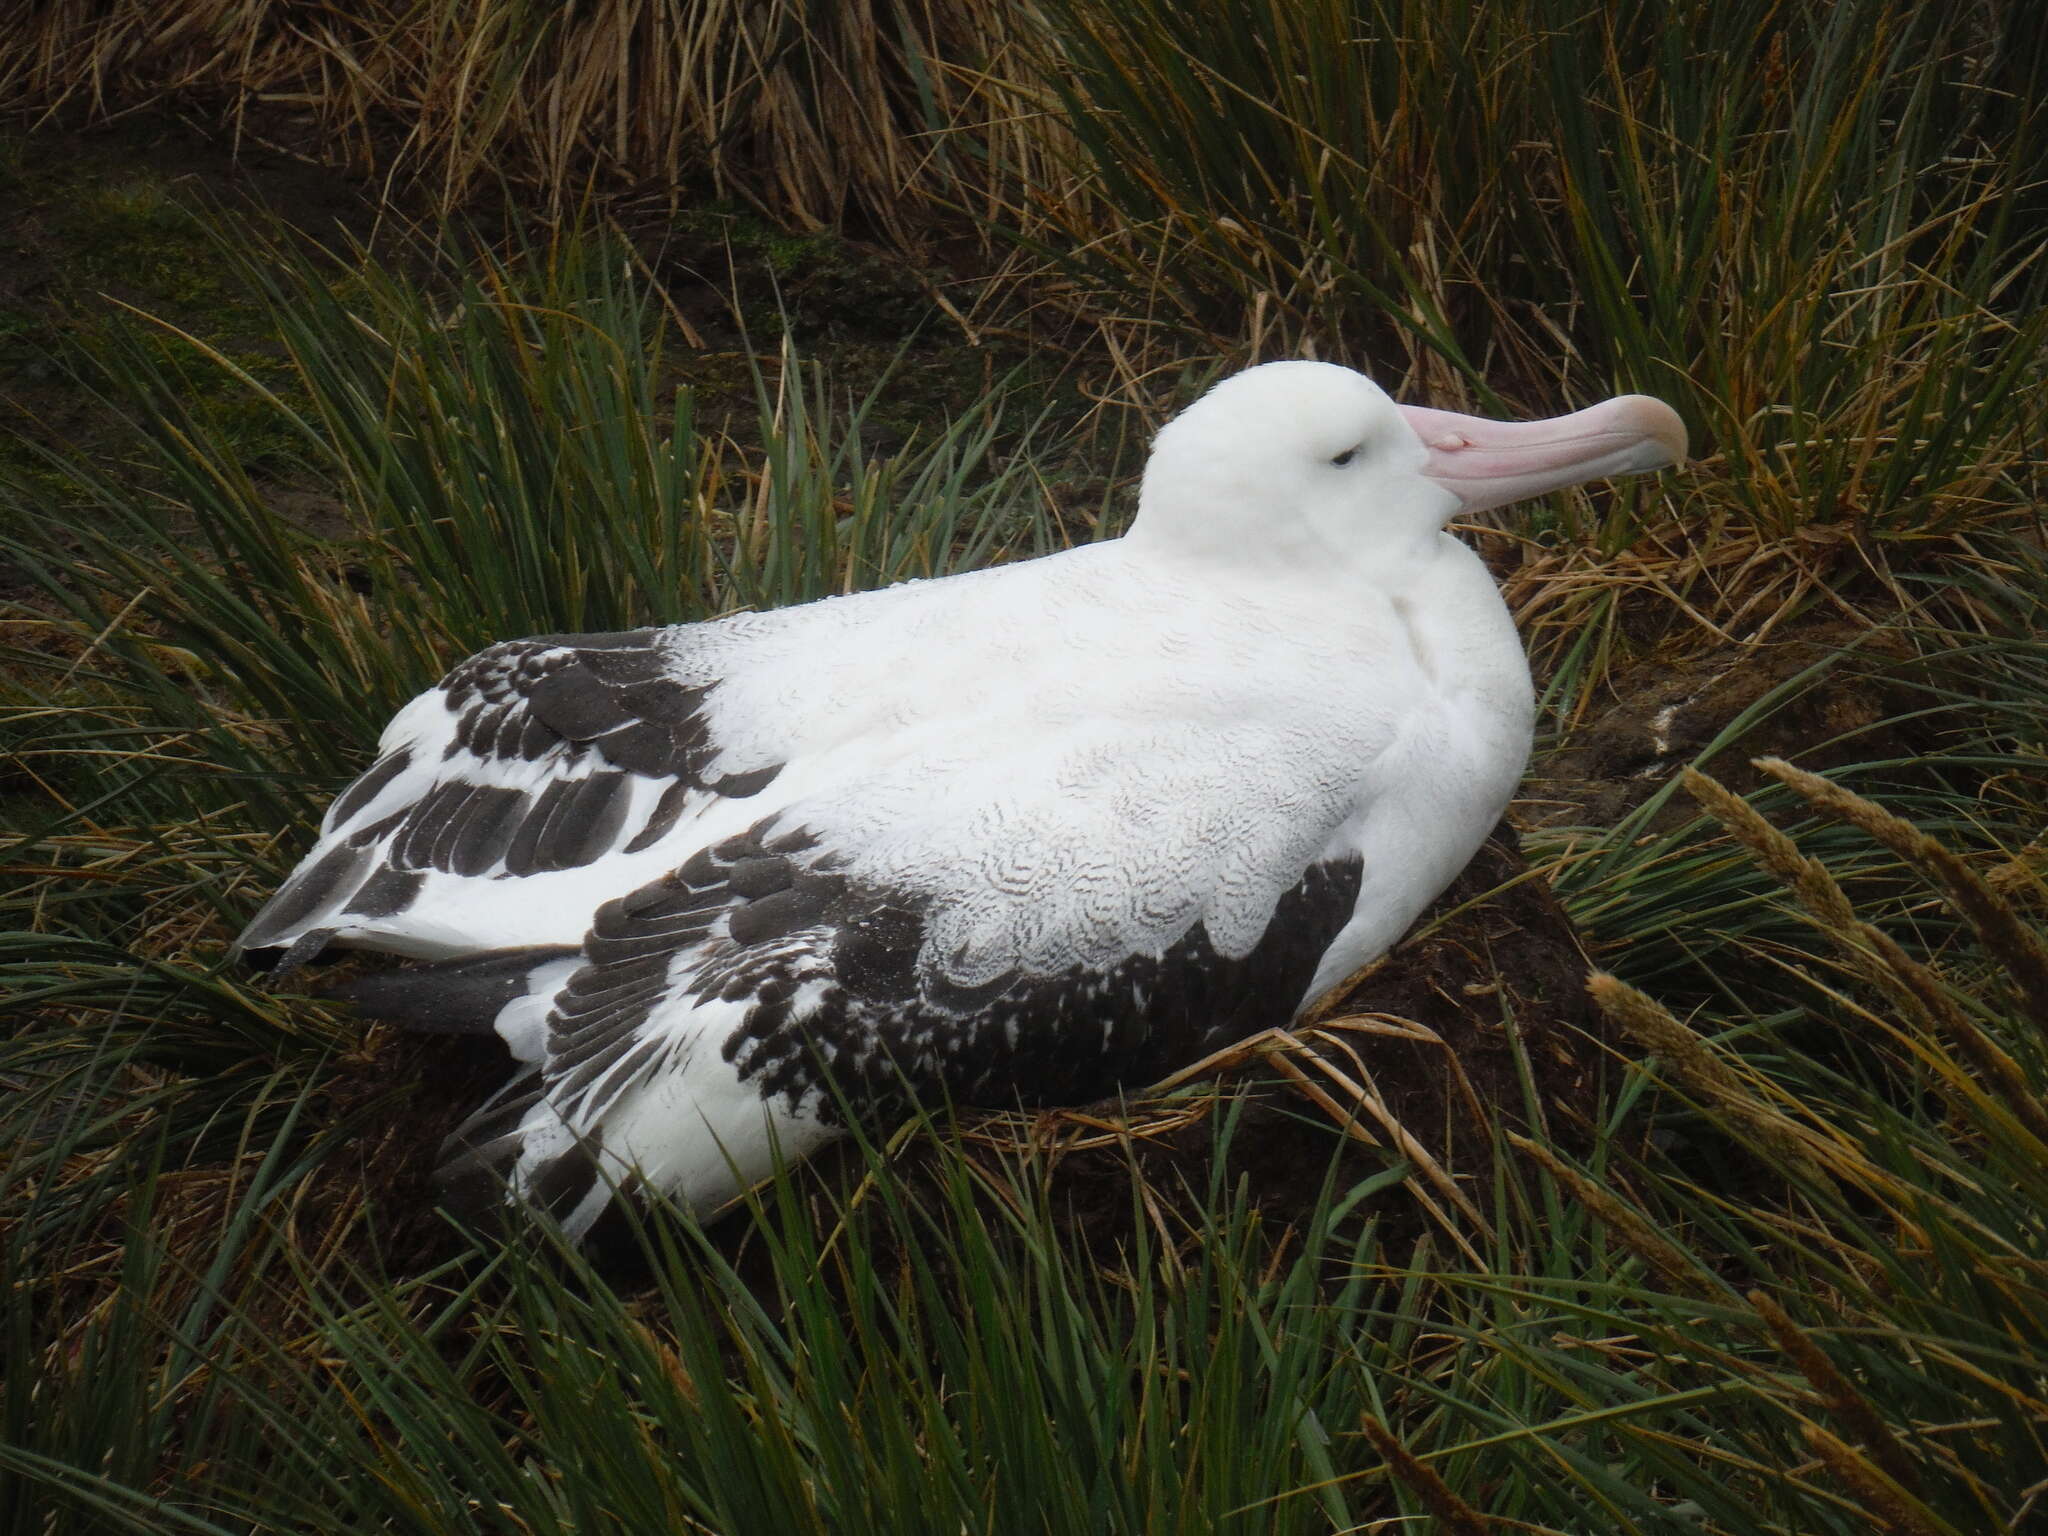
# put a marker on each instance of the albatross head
(1309, 461)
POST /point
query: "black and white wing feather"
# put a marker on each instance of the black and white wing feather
(529, 763)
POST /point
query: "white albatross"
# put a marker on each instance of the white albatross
(1025, 834)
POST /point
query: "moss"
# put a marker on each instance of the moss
(98, 223)
(101, 222)
(133, 214)
(866, 315)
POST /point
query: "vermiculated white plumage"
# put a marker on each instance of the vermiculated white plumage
(1028, 833)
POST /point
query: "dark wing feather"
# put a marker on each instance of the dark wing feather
(769, 917)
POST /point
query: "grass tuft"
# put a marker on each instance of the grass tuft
(1782, 1272)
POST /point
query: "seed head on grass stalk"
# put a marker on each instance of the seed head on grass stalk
(1837, 1392)
(2008, 937)
(1679, 1270)
(1706, 1074)
(1451, 1513)
(1868, 951)
(1891, 1507)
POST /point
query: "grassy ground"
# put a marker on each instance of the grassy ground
(1748, 1240)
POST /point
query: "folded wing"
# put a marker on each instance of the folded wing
(533, 759)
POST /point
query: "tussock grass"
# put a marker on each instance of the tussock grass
(506, 457)
(818, 114)
(501, 446)
(1786, 1274)
(1916, 1166)
(1725, 203)
(1818, 232)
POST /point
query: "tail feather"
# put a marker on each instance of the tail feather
(451, 997)
(481, 1155)
(481, 1164)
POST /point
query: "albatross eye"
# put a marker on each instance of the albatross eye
(1345, 457)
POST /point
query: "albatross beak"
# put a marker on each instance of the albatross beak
(1491, 463)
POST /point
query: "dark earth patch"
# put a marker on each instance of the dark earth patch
(1659, 713)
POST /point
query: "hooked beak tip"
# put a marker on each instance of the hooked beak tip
(1657, 422)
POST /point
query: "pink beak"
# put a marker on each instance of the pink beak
(1491, 463)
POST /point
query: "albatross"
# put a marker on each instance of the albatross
(1022, 835)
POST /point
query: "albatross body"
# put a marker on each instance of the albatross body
(1026, 834)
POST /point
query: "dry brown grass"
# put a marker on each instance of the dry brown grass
(820, 115)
